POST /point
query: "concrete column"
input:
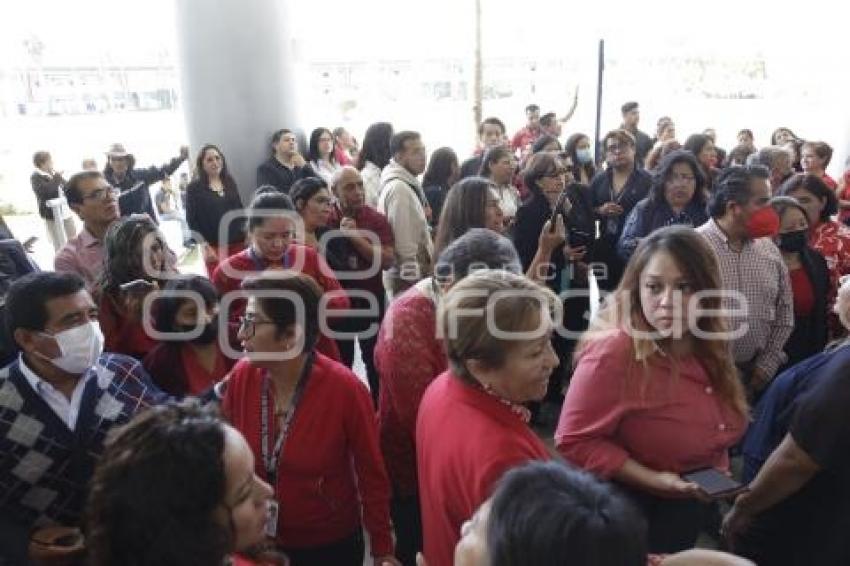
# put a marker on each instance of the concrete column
(237, 74)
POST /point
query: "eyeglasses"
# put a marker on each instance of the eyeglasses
(619, 148)
(102, 193)
(248, 324)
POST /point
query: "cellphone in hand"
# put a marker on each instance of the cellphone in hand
(714, 483)
(564, 205)
(137, 286)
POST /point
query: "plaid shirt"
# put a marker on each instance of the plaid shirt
(759, 273)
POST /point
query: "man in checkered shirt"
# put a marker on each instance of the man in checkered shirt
(751, 264)
(57, 403)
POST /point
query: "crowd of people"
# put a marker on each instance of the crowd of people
(150, 416)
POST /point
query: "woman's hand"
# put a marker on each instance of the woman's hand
(575, 254)
(610, 209)
(672, 485)
(549, 239)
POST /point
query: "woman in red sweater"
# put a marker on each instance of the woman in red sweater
(272, 224)
(310, 424)
(180, 365)
(409, 356)
(472, 425)
(655, 393)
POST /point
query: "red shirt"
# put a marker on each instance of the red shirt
(342, 156)
(122, 335)
(804, 294)
(524, 138)
(298, 258)
(615, 410)
(174, 368)
(408, 357)
(844, 213)
(830, 182)
(466, 440)
(330, 467)
(368, 220)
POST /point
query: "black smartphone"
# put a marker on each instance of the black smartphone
(137, 286)
(579, 238)
(714, 483)
(561, 205)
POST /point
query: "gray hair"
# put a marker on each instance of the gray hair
(768, 156)
(478, 249)
(339, 173)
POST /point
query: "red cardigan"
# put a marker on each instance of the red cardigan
(296, 257)
(466, 440)
(408, 357)
(331, 466)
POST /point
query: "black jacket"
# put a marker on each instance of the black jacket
(45, 187)
(810, 332)
(135, 197)
(273, 172)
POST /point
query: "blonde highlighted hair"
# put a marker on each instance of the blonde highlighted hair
(623, 309)
(488, 313)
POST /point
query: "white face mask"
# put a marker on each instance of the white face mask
(79, 347)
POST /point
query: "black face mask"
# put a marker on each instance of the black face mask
(208, 334)
(793, 241)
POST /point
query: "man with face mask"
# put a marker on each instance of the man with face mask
(403, 202)
(752, 272)
(58, 401)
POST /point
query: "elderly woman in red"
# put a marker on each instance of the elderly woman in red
(272, 223)
(655, 393)
(310, 423)
(472, 425)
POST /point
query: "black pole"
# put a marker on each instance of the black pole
(601, 70)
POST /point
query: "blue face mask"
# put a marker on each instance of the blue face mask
(584, 156)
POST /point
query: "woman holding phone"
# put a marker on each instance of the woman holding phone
(555, 196)
(655, 393)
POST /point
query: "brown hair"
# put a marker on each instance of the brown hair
(507, 300)
(821, 149)
(621, 135)
(623, 308)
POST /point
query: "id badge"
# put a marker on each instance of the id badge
(271, 519)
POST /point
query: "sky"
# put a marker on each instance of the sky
(91, 29)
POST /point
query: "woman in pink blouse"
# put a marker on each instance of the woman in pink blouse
(654, 395)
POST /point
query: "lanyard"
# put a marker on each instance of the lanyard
(271, 456)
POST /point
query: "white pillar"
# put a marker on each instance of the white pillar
(237, 74)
